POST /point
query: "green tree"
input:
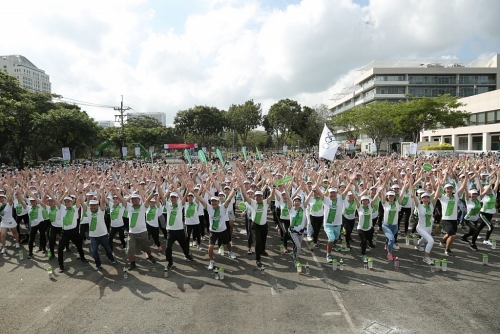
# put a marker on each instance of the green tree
(283, 116)
(243, 118)
(376, 120)
(347, 124)
(428, 113)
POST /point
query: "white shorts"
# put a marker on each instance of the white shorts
(230, 215)
(11, 224)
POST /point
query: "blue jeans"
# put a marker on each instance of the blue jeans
(389, 231)
(94, 246)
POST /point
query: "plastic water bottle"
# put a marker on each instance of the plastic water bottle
(125, 273)
(307, 268)
(282, 248)
(341, 264)
(216, 272)
(407, 239)
(365, 264)
(311, 246)
(262, 271)
(221, 273)
(374, 240)
(493, 244)
(334, 264)
(299, 268)
(415, 239)
(21, 254)
(485, 259)
(437, 264)
(50, 272)
(221, 250)
(396, 263)
(433, 268)
(444, 265)
(370, 263)
(344, 244)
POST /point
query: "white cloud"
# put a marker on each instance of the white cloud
(234, 50)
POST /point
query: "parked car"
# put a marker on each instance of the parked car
(56, 160)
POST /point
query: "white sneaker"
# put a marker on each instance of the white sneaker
(231, 255)
(396, 247)
(17, 245)
(479, 237)
(420, 248)
(2, 251)
(211, 265)
(427, 260)
(487, 242)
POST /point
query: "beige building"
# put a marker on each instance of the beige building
(29, 76)
(483, 133)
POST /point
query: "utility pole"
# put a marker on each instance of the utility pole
(120, 118)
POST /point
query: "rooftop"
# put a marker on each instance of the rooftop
(21, 60)
(428, 63)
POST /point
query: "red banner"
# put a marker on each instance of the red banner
(177, 146)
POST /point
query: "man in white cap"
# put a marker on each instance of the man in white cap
(218, 230)
(98, 232)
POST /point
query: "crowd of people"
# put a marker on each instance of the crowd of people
(303, 199)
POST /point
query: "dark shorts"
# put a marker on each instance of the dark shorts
(448, 227)
(222, 237)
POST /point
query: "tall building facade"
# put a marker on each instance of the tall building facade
(29, 76)
(392, 80)
(159, 116)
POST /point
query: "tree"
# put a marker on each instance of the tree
(376, 120)
(283, 116)
(201, 123)
(243, 118)
(427, 113)
(348, 124)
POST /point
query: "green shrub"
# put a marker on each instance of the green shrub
(442, 147)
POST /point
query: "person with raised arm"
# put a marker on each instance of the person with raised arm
(8, 222)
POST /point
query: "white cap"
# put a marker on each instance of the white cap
(425, 194)
(332, 190)
(448, 185)
(93, 201)
(420, 191)
(473, 191)
(249, 191)
(31, 199)
(213, 198)
(394, 186)
(135, 196)
(191, 194)
(67, 198)
(174, 194)
(391, 193)
(297, 198)
(258, 192)
(365, 197)
(90, 194)
(349, 193)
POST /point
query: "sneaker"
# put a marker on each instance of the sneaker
(169, 266)
(427, 260)
(464, 240)
(51, 257)
(448, 253)
(17, 245)
(151, 259)
(61, 269)
(249, 251)
(2, 251)
(188, 257)
(337, 248)
(487, 242)
(441, 243)
(385, 247)
(96, 268)
(231, 255)
(292, 254)
(113, 262)
(259, 264)
(396, 247)
(389, 257)
(316, 246)
(371, 246)
(211, 265)
(132, 266)
(364, 258)
(329, 258)
(420, 248)
(200, 248)
(479, 237)
(473, 247)
(30, 256)
(264, 253)
(160, 249)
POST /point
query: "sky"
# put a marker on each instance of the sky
(170, 55)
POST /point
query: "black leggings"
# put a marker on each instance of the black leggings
(25, 219)
(202, 225)
(180, 237)
(403, 216)
(348, 225)
(365, 236)
(121, 234)
(486, 216)
(154, 232)
(473, 230)
(195, 230)
(54, 231)
(260, 239)
(67, 236)
(43, 241)
(316, 223)
(285, 226)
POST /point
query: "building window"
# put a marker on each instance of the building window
(463, 143)
(390, 78)
(390, 90)
(490, 117)
(481, 119)
(478, 79)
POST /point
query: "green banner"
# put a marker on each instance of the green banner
(257, 154)
(202, 157)
(187, 155)
(427, 167)
(219, 155)
(244, 151)
(283, 180)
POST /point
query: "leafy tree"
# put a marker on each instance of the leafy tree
(243, 118)
(427, 113)
(377, 121)
(283, 116)
(348, 124)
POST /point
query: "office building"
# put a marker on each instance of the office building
(159, 116)
(392, 80)
(29, 76)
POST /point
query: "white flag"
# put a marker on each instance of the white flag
(328, 145)
(137, 152)
(66, 154)
(124, 151)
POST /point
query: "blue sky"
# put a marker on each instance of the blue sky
(169, 55)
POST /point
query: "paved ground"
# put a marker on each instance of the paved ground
(465, 299)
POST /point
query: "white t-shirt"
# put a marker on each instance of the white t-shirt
(336, 207)
(316, 207)
(6, 214)
(425, 216)
(116, 215)
(54, 216)
(349, 211)
(191, 213)
(259, 212)
(216, 218)
(97, 226)
(137, 218)
(35, 214)
(152, 214)
(69, 217)
(391, 212)
(297, 224)
(449, 207)
(365, 217)
(174, 217)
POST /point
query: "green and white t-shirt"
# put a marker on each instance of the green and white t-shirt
(174, 216)
(216, 218)
(489, 203)
(473, 209)
(365, 217)
(116, 215)
(349, 209)
(425, 215)
(35, 214)
(391, 210)
(297, 219)
(97, 226)
(152, 214)
(54, 216)
(69, 217)
(449, 206)
(191, 212)
(316, 207)
(259, 212)
(284, 209)
(332, 211)
(137, 218)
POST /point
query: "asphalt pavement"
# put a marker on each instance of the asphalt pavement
(464, 299)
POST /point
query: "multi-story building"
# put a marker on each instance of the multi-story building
(29, 76)
(392, 80)
(159, 116)
(105, 124)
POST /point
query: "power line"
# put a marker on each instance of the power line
(89, 104)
